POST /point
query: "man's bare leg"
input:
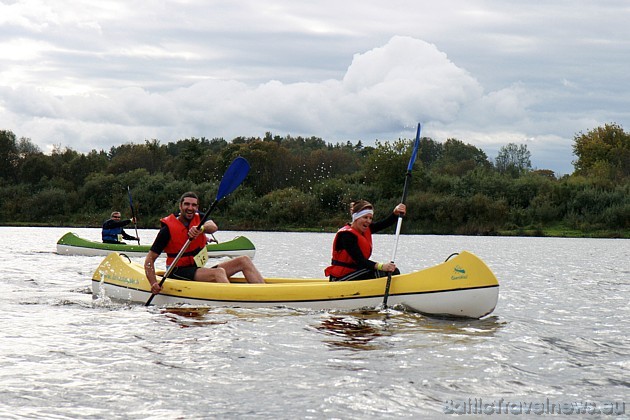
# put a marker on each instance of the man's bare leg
(212, 275)
(245, 265)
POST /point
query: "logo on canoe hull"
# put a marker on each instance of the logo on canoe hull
(112, 278)
(459, 273)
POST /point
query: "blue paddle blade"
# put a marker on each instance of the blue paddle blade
(416, 146)
(233, 177)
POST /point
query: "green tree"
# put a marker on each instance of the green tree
(289, 206)
(386, 166)
(459, 158)
(603, 152)
(429, 151)
(25, 147)
(514, 160)
(127, 157)
(271, 165)
(71, 168)
(35, 168)
(33, 165)
(9, 156)
(52, 204)
(195, 159)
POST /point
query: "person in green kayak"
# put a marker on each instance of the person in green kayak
(176, 230)
(352, 246)
(113, 232)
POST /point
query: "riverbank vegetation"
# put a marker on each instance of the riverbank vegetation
(306, 184)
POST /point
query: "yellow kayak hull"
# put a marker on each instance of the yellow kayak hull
(462, 286)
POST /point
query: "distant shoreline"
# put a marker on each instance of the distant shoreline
(526, 233)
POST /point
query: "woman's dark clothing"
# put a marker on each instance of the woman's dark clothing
(349, 242)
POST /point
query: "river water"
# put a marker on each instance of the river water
(558, 342)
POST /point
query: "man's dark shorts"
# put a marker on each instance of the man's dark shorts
(186, 273)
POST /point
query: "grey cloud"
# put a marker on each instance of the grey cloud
(94, 74)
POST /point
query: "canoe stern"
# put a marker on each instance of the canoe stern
(462, 286)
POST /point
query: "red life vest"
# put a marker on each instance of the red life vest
(179, 236)
(342, 263)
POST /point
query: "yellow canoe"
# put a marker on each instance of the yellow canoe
(462, 286)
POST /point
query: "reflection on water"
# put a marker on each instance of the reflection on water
(351, 332)
(188, 312)
(190, 316)
(486, 327)
(362, 330)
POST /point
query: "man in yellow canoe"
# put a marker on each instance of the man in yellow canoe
(176, 230)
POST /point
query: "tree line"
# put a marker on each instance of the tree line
(298, 183)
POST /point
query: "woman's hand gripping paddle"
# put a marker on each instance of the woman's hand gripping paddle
(233, 177)
(414, 154)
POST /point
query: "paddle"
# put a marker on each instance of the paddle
(133, 214)
(233, 177)
(412, 160)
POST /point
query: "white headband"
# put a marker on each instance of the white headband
(361, 213)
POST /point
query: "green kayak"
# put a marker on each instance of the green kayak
(72, 244)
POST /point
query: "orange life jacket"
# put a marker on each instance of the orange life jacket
(342, 263)
(179, 236)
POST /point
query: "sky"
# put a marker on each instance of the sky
(89, 75)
